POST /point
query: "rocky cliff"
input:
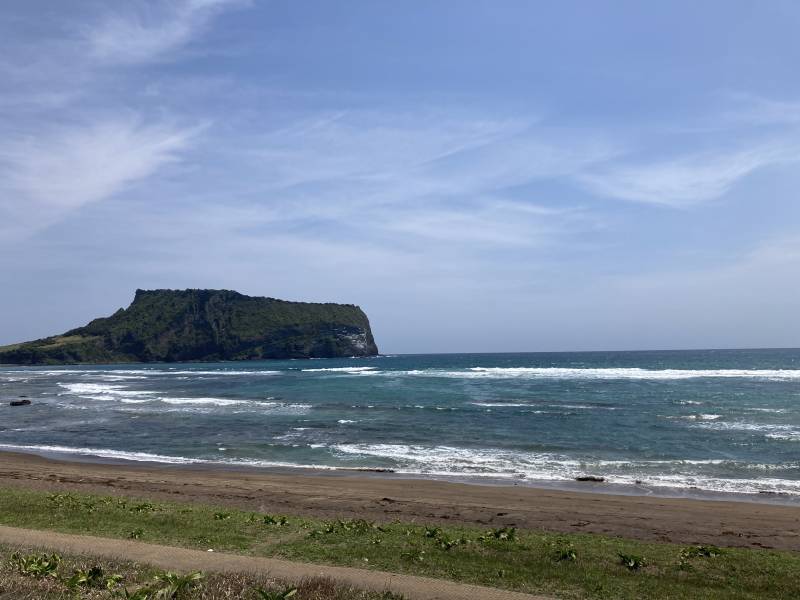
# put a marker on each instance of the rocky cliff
(205, 325)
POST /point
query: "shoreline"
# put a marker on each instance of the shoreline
(385, 497)
(573, 486)
(588, 486)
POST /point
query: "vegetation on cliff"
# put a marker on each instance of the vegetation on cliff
(204, 325)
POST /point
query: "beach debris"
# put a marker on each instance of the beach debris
(21, 402)
(594, 478)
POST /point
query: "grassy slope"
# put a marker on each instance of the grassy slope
(527, 563)
(220, 586)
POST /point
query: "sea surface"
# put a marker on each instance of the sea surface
(719, 421)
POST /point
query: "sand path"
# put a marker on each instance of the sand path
(183, 559)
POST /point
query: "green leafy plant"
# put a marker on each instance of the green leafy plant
(222, 516)
(632, 562)
(112, 581)
(700, 551)
(278, 520)
(689, 552)
(262, 594)
(142, 593)
(413, 555)
(357, 526)
(136, 534)
(564, 553)
(63, 500)
(143, 507)
(174, 584)
(447, 544)
(433, 532)
(506, 534)
(166, 586)
(92, 577)
(37, 565)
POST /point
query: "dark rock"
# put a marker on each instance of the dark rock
(590, 478)
(23, 402)
(373, 470)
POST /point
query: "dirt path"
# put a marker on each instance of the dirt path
(182, 559)
(386, 498)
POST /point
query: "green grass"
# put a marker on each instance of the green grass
(571, 566)
(88, 578)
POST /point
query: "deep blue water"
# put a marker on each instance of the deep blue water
(724, 421)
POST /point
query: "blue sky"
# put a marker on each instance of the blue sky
(478, 176)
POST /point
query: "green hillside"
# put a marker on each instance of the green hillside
(205, 325)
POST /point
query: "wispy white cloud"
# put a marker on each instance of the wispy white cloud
(146, 31)
(441, 181)
(358, 159)
(754, 110)
(69, 139)
(47, 173)
(687, 180)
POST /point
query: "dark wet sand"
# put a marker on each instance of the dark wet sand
(385, 498)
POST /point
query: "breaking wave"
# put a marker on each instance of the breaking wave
(615, 373)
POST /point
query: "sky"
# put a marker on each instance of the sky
(478, 176)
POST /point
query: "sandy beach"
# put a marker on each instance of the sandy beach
(724, 523)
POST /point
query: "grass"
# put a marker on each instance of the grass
(571, 566)
(81, 577)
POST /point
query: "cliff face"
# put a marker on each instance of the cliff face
(205, 325)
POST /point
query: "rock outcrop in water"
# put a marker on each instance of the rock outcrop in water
(205, 325)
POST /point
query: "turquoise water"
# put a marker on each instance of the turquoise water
(722, 421)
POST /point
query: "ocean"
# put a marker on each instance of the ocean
(716, 421)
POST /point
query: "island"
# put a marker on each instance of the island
(205, 325)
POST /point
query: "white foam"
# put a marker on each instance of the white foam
(343, 421)
(215, 372)
(448, 460)
(608, 373)
(770, 430)
(206, 401)
(701, 417)
(104, 453)
(451, 461)
(159, 458)
(102, 391)
(494, 463)
(207, 405)
(502, 404)
(347, 370)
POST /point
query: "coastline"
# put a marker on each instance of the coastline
(722, 521)
(588, 485)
